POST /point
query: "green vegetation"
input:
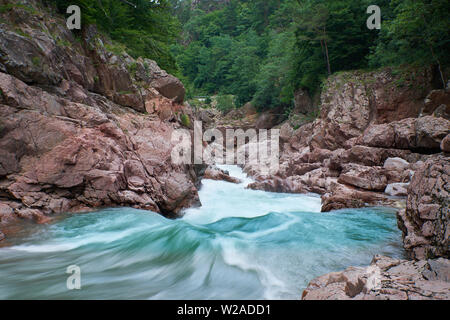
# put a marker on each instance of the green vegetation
(263, 50)
(185, 120)
(146, 28)
(7, 7)
(36, 61)
(225, 103)
(20, 32)
(132, 68)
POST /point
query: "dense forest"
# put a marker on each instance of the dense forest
(263, 50)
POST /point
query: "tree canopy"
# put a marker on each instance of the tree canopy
(264, 50)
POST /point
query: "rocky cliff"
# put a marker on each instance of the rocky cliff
(82, 124)
(382, 139)
(375, 129)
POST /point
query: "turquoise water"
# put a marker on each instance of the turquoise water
(242, 244)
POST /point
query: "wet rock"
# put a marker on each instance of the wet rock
(385, 279)
(2, 236)
(214, 173)
(342, 196)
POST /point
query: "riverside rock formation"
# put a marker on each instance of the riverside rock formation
(83, 128)
(377, 143)
(425, 225)
(371, 136)
(385, 279)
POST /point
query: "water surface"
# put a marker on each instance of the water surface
(241, 244)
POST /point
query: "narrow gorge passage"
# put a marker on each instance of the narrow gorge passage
(241, 244)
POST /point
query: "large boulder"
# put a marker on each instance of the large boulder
(368, 178)
(385, 279)
(425, 133)
(397, 189)
(352, 101)
(341, 196)
(425, 222)
(59, 155)
(166, 84)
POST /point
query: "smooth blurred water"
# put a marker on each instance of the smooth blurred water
(242, 244)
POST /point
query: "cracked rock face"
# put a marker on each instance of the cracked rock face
(365, 146)
(59, 156)
(425, 222)
(82, 128)
(385, 279)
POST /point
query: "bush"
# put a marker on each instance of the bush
(185, 120)
(225, 103)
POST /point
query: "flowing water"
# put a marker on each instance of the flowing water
(241, 244)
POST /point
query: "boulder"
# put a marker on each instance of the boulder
(397, 189)
(166, 84)
(396, 164)
(368, 178)
(267, 120)
(425, 222)
(438, 99)
(385, 279)
(445, 144)
(214, 173)
(342, 196)
(430, 131)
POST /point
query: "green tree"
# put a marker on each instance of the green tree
(418, 33)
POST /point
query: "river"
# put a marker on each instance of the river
(241, 244)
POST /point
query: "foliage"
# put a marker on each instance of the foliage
(146, 28)
(417, 33)
(262, 51)
(225, 103)
(185, 120)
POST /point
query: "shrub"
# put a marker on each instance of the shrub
(185, 120)
(225, 103)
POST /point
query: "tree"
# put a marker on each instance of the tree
(146, 28)
(418, 33)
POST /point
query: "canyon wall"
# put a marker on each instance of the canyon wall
(83, 125)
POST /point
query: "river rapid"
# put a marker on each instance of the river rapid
(241, 244)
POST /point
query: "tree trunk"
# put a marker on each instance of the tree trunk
(326, 50)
